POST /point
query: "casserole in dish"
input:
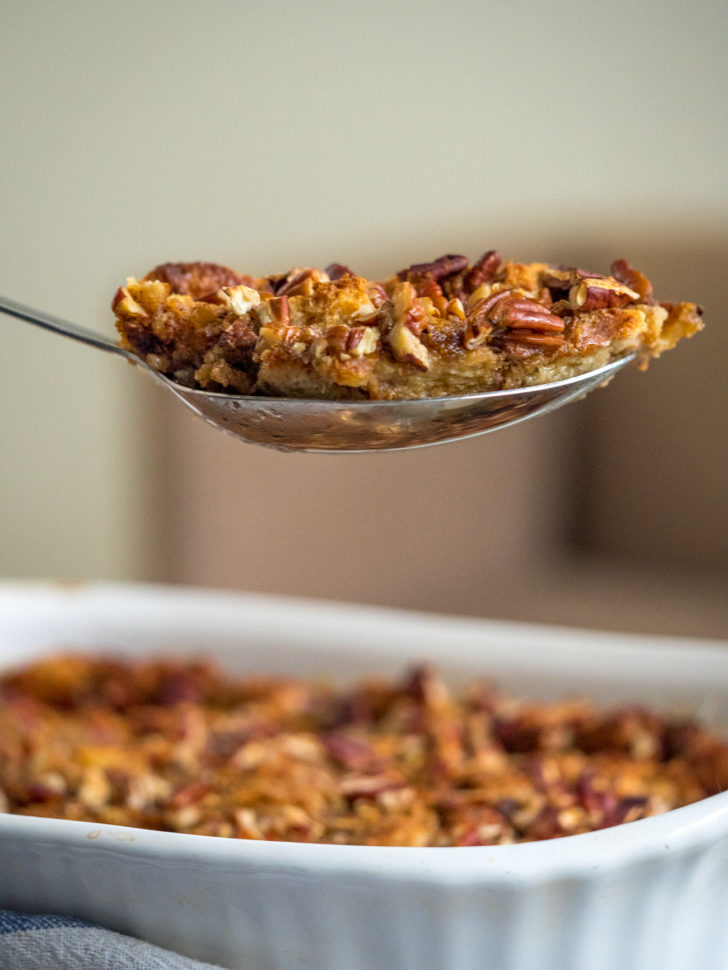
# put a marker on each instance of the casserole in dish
(637, 896)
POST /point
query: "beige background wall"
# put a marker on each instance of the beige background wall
(376, 134)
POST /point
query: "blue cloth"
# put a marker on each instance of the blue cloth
(47, 942)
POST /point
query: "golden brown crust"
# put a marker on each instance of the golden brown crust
(175, 745)
(439, 328)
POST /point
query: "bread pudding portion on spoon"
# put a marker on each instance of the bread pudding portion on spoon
(444, 328)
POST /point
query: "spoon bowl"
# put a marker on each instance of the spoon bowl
(292, 424)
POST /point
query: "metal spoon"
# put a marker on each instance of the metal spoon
(291, 424)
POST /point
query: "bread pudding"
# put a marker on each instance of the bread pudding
(434, 329)
(179, 746)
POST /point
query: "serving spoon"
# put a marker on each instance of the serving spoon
(296, 424)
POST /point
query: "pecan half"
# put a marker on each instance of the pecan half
(520, 313)
(438, 269)
(516, 340)
(520, 321)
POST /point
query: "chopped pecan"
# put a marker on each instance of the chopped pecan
(300, 282)
(377, 294)
(558, 278)
(597, 293)
(335, 271)
(407, 347)
(362, 340)
(431, 289)
(622, 271)
(455, 308)
(279, 335)
(477, 325)
(273, 311)
(125, 305)
(349, 751)
(483, 271)
(238, 299)
(369, 786)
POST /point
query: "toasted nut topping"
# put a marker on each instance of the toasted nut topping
(362, 341)
(455, 308)
(596, 294)
(335, 271)
(300, 282)
(439, 269)
(277, 336)
(125, 305)
(477, 326)
(274, 311)
(408, 348)
(206, 326)
(367, 311)
(430, 289)
(518, 313)
(632, 278)
(377, 294)
(239, 299)
(483, 271)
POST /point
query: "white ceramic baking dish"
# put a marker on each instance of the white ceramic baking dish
(649, 895)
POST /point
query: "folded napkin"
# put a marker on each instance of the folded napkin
(44, 942)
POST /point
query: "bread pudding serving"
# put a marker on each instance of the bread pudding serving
(178, 746)
(434, 329)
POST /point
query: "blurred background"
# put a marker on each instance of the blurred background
(376, 134)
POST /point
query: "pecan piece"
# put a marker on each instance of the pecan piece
(520, 313)
(362, 340)
(518, 339)
(622, 271)
(335, 271)
(477, 325)
(377, 294)
(198, 280)
(124, 305)
(438, 269)
(431, 288)
(597, 293)
(275, 311)
(483, 271)
(520, 320)
(238, 299)
(369, 786)
(300, 282)
(407, 347)
(557, 278)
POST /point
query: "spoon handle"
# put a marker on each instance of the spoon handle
(64, 327)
